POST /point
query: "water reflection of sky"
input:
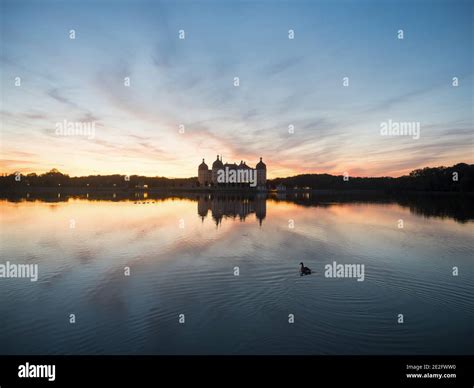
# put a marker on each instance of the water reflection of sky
(182, 254)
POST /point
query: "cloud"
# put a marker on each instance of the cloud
(281, 66)
(57, 96)
(88, 117)
(13, 164)
(404, 98)
(36, 116)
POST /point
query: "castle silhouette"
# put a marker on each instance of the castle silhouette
(208, 177)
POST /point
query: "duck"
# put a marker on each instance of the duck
(304, 270)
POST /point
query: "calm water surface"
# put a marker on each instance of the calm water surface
(183, 252)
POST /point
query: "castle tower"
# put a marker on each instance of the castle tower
(217, 165)
(261, 173)
(203, 174)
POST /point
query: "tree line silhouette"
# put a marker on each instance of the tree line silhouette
(457, 178)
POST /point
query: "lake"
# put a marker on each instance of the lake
(219, 274)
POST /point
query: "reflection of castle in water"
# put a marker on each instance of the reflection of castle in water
(232, 206)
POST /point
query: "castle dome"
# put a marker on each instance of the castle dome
(203, 166)
(217, 163)
(261, 165)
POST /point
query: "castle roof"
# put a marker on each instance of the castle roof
(217, 163)
(203, 166)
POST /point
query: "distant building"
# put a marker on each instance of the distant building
(208, 176)
(261, 173)
(204, 174)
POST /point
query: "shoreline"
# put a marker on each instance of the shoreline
(254, 191)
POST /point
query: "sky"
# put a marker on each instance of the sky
(190, 82)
